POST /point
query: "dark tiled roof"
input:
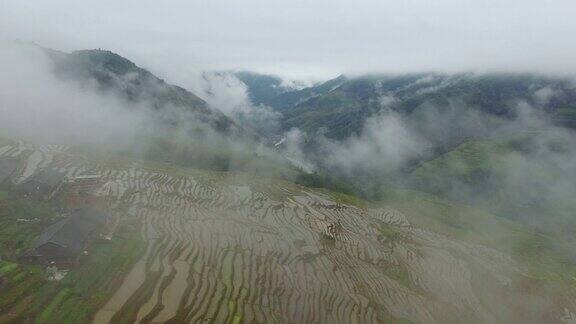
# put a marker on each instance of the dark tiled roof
(72, 232)
(7, 167)
(46, 179)
(49, 177)
(50, 232)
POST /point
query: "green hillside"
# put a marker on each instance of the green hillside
(482, 173)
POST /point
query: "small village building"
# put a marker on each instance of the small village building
(81, 191)
(62, 243)
(84, 183)
(45, 183)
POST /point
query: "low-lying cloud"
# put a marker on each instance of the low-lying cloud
(520, 166)
(225, 92)
(535, 165)
(302, 38)
(37, 106)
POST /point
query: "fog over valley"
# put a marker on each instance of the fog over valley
(288, 162)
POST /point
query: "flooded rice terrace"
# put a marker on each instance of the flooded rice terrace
(226, 251)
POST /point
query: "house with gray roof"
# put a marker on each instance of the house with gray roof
(61, 243)
(8, 168)
(44, 183)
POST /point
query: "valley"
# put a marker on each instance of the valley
(290, 162)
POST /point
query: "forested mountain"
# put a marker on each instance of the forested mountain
(342, 105)
(112, 73)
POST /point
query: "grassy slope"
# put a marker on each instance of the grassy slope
(466, 163)
(548, 257)
(477, 172)
(548, 260)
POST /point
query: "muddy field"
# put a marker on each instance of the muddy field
(225, 248)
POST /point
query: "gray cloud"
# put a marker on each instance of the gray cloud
(225, 92)
(308, 38)
(384, 145)
(37, 106)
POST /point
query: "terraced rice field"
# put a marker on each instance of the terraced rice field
(225, 248)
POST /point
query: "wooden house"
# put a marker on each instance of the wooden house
(62, 243)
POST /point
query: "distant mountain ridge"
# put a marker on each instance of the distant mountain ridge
(342, 105)
(264, 89)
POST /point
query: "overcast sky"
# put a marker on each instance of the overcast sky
(307, 38)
